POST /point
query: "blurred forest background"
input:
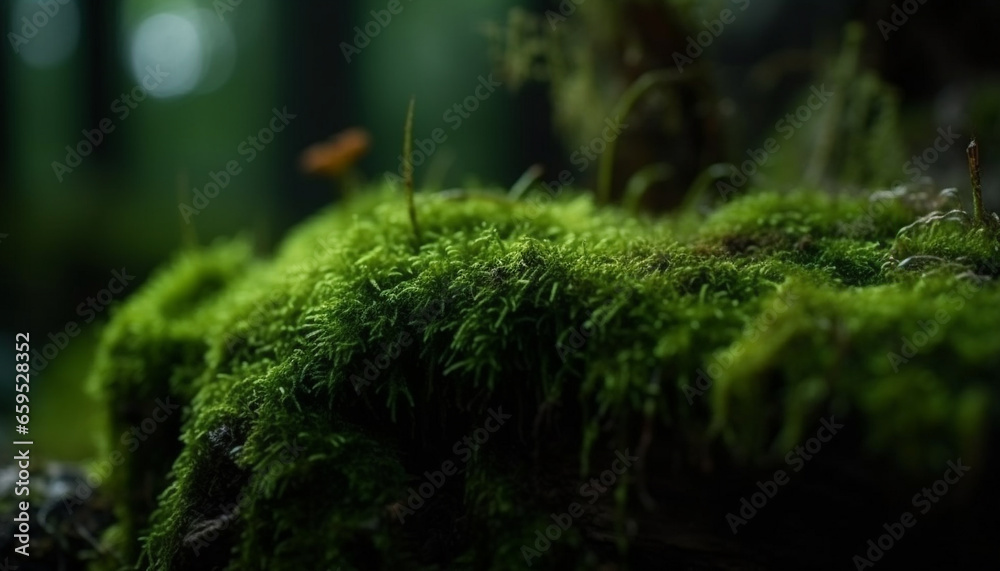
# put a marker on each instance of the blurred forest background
(230, 63)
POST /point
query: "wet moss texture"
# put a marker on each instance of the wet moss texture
(318, 387)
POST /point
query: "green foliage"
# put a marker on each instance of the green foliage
(791, 303)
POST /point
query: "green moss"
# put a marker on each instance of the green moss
(154, 351)
(910, 361)
(566, 316)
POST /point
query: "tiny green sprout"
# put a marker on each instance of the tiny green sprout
(523, 183)
(699, 190)
(642, 181)
(408, 167)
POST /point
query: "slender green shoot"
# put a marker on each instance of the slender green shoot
(642, 181)
(408, 168)
(523, 183)
(621, 112)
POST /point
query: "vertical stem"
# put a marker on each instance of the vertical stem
(845, 73)
(408, 167)
(624, 106)
(977, 185)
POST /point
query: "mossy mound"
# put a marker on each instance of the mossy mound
(318, 388)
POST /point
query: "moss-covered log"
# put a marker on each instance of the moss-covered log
(531, 346)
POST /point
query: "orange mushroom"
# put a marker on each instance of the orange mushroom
(336, 156)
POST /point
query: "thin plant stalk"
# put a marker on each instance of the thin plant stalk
(408, 168)
(975, 173)
(621, 112)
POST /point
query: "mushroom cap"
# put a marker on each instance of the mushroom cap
(335, 156)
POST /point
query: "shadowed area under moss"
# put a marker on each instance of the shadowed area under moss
(320, 386)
